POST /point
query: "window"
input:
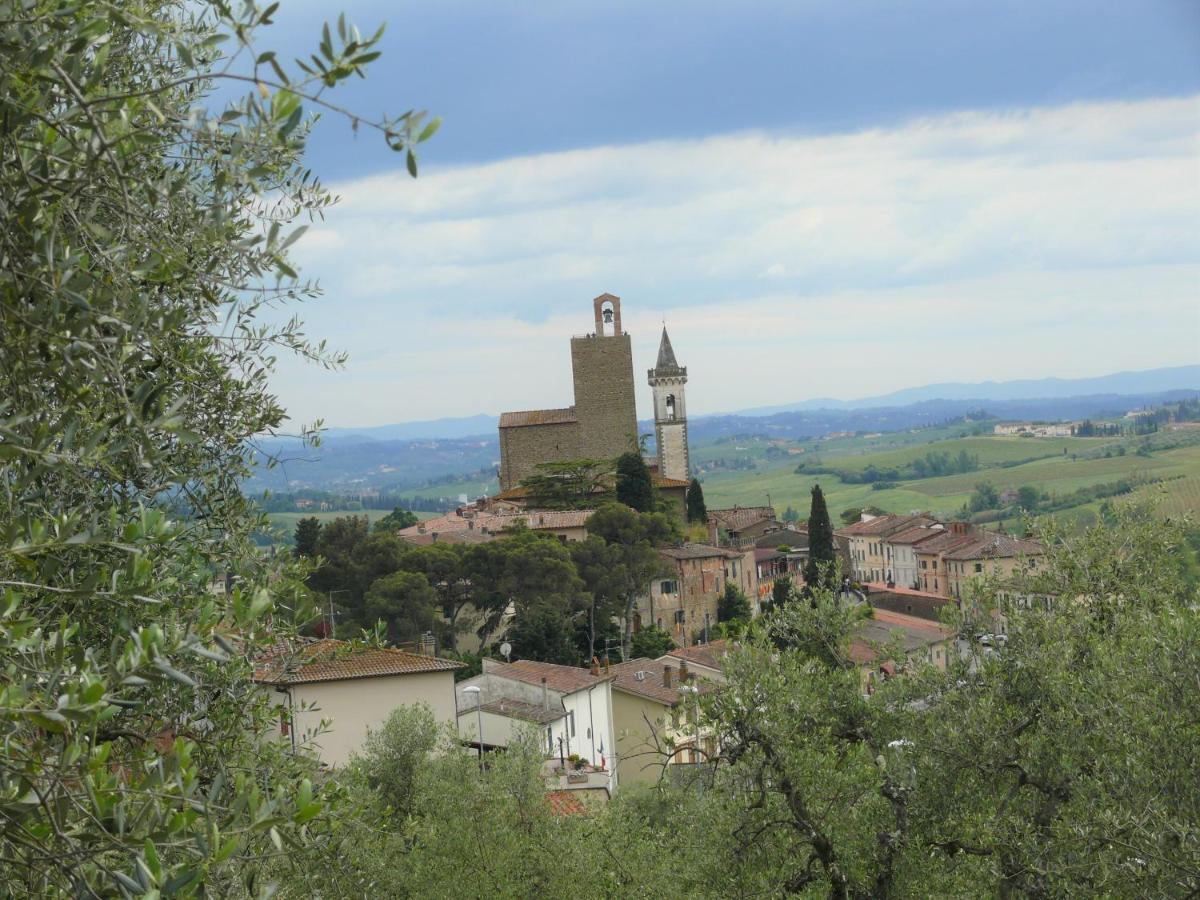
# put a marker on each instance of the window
(571, 720)
(669, 587)
(679, 619)
(978, 567)
(670, 407)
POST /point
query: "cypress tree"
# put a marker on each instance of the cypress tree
(308, 533)
(634, 487)
(819, 570)
(696, 510)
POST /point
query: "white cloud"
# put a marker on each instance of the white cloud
(1047, 242)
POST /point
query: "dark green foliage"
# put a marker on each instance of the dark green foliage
(635, 538)
(308, 534)
(540, 630)
(733, 605)
(985, 497)
(696, 510)
(851, 515)
(634, 486)
(570, 484)
(1028, 497)
(821, 570)
(651, 642)
(791, 515)
(151, 187)
(406, 604)
(395, 520)
(782, 591)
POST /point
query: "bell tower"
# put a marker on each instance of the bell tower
(667, 380)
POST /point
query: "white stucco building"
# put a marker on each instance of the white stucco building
(352, 690)
(569, 708)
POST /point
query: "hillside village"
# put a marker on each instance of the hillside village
(607, 713)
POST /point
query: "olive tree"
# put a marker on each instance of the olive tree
(144, 230)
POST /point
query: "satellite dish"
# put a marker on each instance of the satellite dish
(506, 650)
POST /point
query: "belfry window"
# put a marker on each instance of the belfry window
(670, 407)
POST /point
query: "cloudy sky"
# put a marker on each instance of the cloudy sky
(819, 198)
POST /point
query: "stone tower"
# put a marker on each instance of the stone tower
(667, 380)
(603, 422)
(602, 369)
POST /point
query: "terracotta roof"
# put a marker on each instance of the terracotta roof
(762, 554)
(333, 660)
(915, 535)
(651, 685)
(564, 679)
(524, 417)
(915, 633)
(664, 482)
(740, 517)
(708, 655)
(945, 541)
(471, 524)
(883, 525)
(548, 518)
(696, 551)
(995, 546)
(565, 803)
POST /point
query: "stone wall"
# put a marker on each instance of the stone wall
(602, 368)
(524, 447)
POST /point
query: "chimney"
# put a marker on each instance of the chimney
(595, 666)
(683, 671)
(666, 676)
(545, 695)
(712, 531)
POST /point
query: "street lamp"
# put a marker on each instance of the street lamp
(474, 689)
(331, 621)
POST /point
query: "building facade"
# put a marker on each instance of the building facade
(667, 381)
(603, 422)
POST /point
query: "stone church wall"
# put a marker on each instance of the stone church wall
(523, 449)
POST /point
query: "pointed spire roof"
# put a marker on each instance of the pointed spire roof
(666, 354)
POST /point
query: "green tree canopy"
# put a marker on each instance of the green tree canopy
(308, 533)
(821, 569)
(734, 605)
(696, 509)
(395, 520)
(146, 223)
(634, 486)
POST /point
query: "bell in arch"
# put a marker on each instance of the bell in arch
(608, 315)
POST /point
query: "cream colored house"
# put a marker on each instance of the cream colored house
(349, 690)
(996, 555)
(655, 721)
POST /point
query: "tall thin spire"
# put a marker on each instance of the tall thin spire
(666, 355)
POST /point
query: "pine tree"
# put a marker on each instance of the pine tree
(634, 487)
(696, 510)
(308, 533)
(819, 571)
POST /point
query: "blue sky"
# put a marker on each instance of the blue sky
(821, 199)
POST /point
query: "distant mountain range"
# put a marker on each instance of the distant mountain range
(412, 454)
(1021, 393)
(1152, 381)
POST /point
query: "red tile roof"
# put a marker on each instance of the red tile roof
(525, 417)
(651, 684)
(739, 517)
(883, 525)
(663, 482)
(565, 803)
(995, 546)
(333, 660)
(915, 634)
(915, 535)
(945, 541)
(708, 655)
(564, 679)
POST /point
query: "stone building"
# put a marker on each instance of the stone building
(603, 422)
(667, 380)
